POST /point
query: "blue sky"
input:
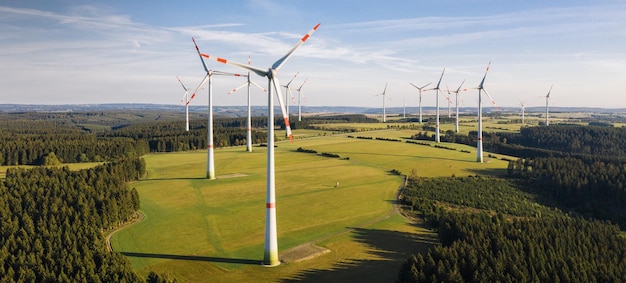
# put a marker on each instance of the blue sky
(83, 52)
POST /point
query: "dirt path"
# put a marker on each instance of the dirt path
(136, 219)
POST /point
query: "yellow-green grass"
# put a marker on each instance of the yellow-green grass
(72, 166)
(201, 230)
(362, 126)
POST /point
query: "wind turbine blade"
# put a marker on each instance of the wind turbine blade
(199, 54)
(424, 86)
(237, 88)
(276, 85)
(259, 71)
(459, 89)
(204, 81)
(444, 70)
(385, 90)
(294, 77)
(181, 83)
(257, 85)
(548, 95)
(284, 59)
(302, 84)
(220, 73)
(483, 81)
(491, 98)
(417, 87)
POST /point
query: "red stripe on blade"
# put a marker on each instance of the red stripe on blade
(221, 60)
(270, 205)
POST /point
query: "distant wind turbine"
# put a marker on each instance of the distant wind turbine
(481, 89)
(457, 92)
(249, 119)
(420, 99)
(523, 104)
(288, 95)
(185, 99)
(210, 174)
(270, 254)
(384, 94)
(300, 96)
(436, 89)
(548, 105)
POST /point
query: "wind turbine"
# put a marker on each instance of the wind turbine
(420, 98)
(288, 94)
(404, 107)
(210, 171)
(437, 139)
(384, 94)
(270, 254)
(449, 103)
(457, 92)
(480, 88)
(547, 105)
(300, 96)
(249, 120)
(185, 99)
(523, 104)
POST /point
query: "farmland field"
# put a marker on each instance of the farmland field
(201, 230)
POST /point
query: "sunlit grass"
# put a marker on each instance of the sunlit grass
(210, 230)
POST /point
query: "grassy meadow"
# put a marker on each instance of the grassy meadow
(213, 230)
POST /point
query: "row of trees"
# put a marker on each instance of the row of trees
(510, 239)
(483, 248)
(52, 222)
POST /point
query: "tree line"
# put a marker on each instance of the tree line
(492, 231)
(52, 222)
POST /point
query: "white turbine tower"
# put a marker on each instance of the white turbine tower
(288, 95)
(300, 96)
(457, 92)
(185, 99)
(437, 139)
(523, 104)
(480, 88)
(420, 99)
(249, 119)
(270, 254)
(404, 107)
(548, 105)
(210, 170)
(384, 95)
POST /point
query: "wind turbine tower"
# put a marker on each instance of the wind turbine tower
(523, 104)
(457, 92)
(548, 105)
(270, 254)
(420, 98)
(436, 89)
(300, 96)
(288, 94)
(481, 89)
(384, 94)
(185, 99)
(210, 174)
(249, 119)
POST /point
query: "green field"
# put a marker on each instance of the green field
(200, 230)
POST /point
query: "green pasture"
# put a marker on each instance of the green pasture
(213, 230)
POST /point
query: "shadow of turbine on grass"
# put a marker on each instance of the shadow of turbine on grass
(389, 250)
(194, 258)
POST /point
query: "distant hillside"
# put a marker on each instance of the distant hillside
(239, 111)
